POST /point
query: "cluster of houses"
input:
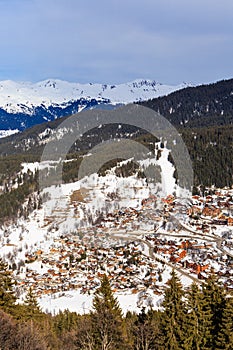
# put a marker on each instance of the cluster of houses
(78, 261)
(198, 259)
(217, 207)
(70, 264)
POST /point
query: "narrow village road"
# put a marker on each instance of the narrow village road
(152, 255)
(218, 240)
(180, 270)
(138, 235)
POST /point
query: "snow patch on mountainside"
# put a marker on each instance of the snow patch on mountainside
(5, 133)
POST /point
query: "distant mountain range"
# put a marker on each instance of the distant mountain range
(24, 104)
(190, 107)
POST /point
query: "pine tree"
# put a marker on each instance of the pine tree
(198, 321)
(7, 296)
(174, 315)
(106, 319)
(31, 300)
(224, 340)
(213, 302)
(32, 309)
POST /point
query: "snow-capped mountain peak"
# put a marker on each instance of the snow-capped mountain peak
(53, 98)
(16, 96)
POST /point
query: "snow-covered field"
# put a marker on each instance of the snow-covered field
(82, 303)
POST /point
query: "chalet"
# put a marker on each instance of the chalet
(211, 211)
(230, 221)
(194, 210)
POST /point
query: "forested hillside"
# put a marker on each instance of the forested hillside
(201, 106)
(204, 117)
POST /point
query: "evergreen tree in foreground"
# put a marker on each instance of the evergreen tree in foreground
(32, 309)
(107, 323)
(7, 296)
(174, 315)
(213, 302)
(198, 321)
(224, 339)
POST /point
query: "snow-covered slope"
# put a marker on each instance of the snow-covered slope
(23, 97)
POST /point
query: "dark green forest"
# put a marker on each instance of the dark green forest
(210, 150)
(198, 318)
(197, 107)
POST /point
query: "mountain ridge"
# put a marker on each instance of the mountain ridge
(25, 104)
(196, 107)
(23, 97)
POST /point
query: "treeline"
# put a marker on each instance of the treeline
(10, 166)
(196, 319)
(210, 151)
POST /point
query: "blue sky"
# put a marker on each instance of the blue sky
(114, 41)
